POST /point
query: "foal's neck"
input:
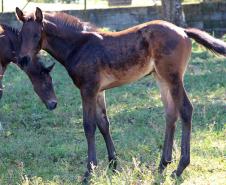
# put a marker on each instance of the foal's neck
(62, 45)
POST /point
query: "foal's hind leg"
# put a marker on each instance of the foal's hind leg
(171, 115)
(185, 109)
(103, 125)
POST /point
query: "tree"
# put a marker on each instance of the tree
(172, 11)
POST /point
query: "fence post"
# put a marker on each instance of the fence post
(2, 5)
(85, 4)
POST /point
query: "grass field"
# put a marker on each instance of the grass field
(41, 147)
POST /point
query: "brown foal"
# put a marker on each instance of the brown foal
(97, 61)
(36, 71)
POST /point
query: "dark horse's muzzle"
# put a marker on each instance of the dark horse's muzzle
(51, 105)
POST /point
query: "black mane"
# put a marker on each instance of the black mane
(10, 29)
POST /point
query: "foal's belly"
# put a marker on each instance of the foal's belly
(116, 77)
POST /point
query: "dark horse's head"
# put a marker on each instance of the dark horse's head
(41, 80)
(30, 34)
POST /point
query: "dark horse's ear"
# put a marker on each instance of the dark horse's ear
(38, 15)
(20, 14)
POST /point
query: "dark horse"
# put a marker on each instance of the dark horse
(97, 61)
(36, 71)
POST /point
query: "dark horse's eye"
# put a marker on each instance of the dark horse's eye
(43, 72)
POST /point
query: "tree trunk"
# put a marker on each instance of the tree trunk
(119, 2)
(172, 11)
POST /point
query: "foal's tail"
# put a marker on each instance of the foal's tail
(203, 38)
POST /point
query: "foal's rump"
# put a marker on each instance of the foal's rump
(203, 38)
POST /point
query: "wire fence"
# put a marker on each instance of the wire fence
(57, 5)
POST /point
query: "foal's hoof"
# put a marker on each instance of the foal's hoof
(174, 174)
(86, 176)
(161, 168)
(113, 165)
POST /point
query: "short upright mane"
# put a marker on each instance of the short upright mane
(67, 23)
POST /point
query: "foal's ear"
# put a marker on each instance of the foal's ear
(38, 15)
(20, 14)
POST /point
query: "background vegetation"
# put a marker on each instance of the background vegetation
(72, 1)
(52, 5)
(42, 147)
(97, 1)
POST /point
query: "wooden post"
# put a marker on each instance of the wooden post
(2, 5)
(85, 5)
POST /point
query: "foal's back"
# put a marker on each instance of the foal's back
(156, 46)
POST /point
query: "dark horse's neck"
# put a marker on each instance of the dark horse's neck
(63, 40)
(11, 43)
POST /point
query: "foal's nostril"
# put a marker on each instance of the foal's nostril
(24, 61)
(52, 105)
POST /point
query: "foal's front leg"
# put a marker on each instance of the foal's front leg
(89, 124)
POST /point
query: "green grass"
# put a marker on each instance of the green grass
(42, 147)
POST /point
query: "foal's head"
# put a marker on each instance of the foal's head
(41, 81)
(31, 41)
(31, 34)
